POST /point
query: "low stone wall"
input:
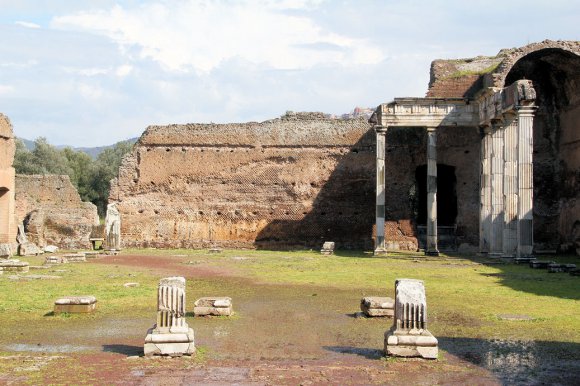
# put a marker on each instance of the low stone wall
(52, 211)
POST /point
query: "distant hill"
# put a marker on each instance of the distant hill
(92, 151)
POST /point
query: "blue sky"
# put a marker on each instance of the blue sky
(90, 73)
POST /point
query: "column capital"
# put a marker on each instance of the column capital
(380, 129)
(431, 129)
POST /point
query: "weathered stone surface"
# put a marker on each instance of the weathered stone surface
(112, 228)
(216, 306)
(5, 250)
(75, 257)
(8, 221)
(327, 248)
(377, 306)
(29, 249)
(14, 265)
(53, 212)
(541, 264)
(75, 304)
(170, 335)
(554, 268)
(409, 337)
(286, 182)
(55, 260)
(50, 248)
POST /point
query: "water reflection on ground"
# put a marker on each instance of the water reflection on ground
(520, 362)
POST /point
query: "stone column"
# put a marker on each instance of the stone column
(485, 192)
(510, 186)
(497, 209)
(431, 249)
(525, 226)
(380, 248)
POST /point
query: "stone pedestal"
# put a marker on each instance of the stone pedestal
(327, 248)
(13, 265)
(75, 304)
(377, 306)
(409, 337)
(171, 334)
(216, 306)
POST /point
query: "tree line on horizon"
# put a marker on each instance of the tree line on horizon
(91, 177)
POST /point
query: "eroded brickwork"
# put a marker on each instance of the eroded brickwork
(296, 181)
(52, 211)
(8, 226)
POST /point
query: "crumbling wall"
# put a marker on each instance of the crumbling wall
(554, 69)
(8, 226)
(52, 211)
(295, 181)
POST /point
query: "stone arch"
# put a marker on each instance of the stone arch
(554, 69)
(513, 56)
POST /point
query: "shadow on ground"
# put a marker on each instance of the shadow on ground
(368, 353)
(520, 362)
(123, 349)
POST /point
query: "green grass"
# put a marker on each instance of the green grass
(465, 295)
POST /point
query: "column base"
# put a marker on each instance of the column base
(416, 343)
(432, 253)
(170, 344)
(380, 252)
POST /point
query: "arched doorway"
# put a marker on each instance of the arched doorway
(555, 74)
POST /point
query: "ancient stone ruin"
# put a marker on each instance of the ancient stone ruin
(75, 304)
(295, 181)
(215, 306)
(488, 162)
(327, 248)
(409, 337)
(53, 213)
(500, 160)
(377, 306)
(170, 335)
(112, 228)
(8, 223)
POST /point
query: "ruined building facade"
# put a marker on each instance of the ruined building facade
(292, 182)
(489, 161)
(516, 187)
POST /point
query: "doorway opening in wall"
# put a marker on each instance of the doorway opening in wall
(446, 205)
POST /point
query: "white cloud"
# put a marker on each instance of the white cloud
(123, 70)
(27, 24)
(91, 71)
(4, 89)
(90, 91)
(201, 34)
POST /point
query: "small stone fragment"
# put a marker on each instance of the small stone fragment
(377, 306)
(216, 306)
(75, 304)
(327, 248)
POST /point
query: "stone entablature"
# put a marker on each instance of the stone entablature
(427, 112)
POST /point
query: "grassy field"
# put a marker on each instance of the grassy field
(468, 298)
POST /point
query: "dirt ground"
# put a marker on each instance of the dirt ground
(280, 335)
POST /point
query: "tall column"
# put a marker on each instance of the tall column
(485, 192)
(525, 226)
(431, 249)
(380, 203)
(497, 209)
(510, 186)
